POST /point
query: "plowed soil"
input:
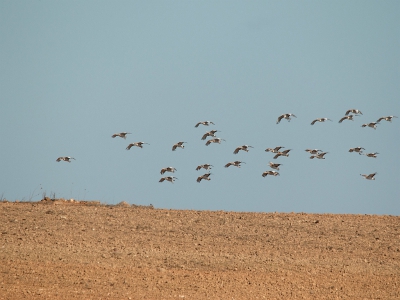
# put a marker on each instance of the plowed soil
(56, 249)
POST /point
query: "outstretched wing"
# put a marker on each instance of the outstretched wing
(279, 119)
(205, 136)
(313, 122)
(237, 150)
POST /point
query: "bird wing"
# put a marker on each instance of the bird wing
(163, 171)
(174, 147)
(237, 150)
(129, 146)
(380, 119)
(341, 120)
(313, 122)
(114, 135)
(162, 179)
(205, 135)
(279, 119)
(277, 155)
(199, 178)
(349, 111)
(197, 125)
(228, 164)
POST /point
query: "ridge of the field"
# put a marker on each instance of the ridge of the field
(69, 249)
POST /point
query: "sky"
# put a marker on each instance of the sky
(73, 73)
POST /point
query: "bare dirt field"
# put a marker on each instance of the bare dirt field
(57, 249)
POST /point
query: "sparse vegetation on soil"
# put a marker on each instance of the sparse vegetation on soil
(57, 249)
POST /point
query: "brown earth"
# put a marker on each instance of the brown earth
(85, 250)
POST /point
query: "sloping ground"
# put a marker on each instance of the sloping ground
(62, 250)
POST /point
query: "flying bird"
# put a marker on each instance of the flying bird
(178, 144)
(273, 173)
(216, 140)
(372, 125)
(121, 134)
(374, 154)
(209, 133)
(282, 153)
(205, 123)
(313, 151)
(388, 118)
(274, 166)
(204, 176)
(205, 166)
(274, 150)
(167, 169)
(349, 117)
(285, 116)
(235, 163)
(319, 155)
(369, 176)
(320, 120)
(65, 158)
(244, 148)
(356, 149)
(137, 144)
(353, 111)
(168, 178)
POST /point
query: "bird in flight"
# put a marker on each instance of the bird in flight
(205, 123)
(204, 176)
(244, 148)
(205, 166)
(167, 169)
(235, 163)
(209, 133)
(369, 176)
(274, 166)
(274, 150)
(320, 120)
(65, 158)
(282, 153)
(168, 178)
(137, 144)
(353, 111)
(273, 173)
(285, 116)
(356, 149)
(216, 140)
(319, 155)
(121, 134)
(372, 125)
(178, 144)
(349, 117)
(388, 118)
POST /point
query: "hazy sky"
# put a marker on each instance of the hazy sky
(72, 73)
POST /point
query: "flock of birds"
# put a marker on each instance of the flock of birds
(315, 153)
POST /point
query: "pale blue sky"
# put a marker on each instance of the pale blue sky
(75, 72)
